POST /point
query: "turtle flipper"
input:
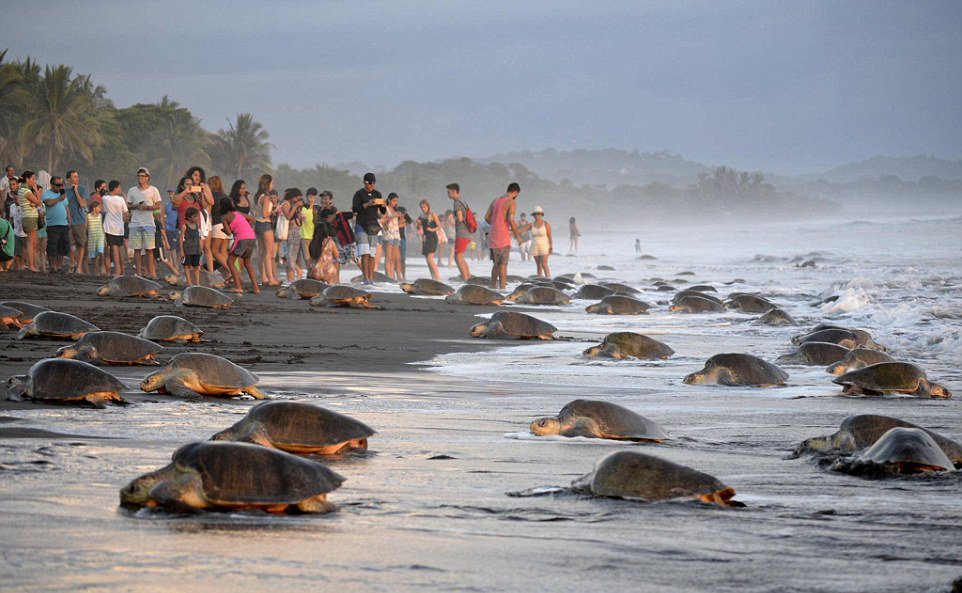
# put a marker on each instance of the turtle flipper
(183, 493)
(16, 391)
(316, 504)
(583, 427)
(255, 392)
(177, 388)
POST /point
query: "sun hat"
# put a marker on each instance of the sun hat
(538, 210)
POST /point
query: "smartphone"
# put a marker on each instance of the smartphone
(195, 189)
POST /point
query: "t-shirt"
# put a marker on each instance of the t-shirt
(77, 213)
(142, 218)
(367, 217)
(307, 223)
(56, 214)
(7, 241)
(14, 213)
(461, 226)
(114, 209)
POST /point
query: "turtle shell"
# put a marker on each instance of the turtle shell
(213, 370)
(292, 425)
(131, 286)
(842, 337)
(479, 281)
(630, 474)
(613, 421)
(235, 474)
(116, 347)
(747, 369)
(638, 346)
(900, 377)
(702, 287)
(340, 292)
(65, 378)
(858, 358)
(911, 447)
(543, 295)
(13, 315)
(692, 303)
(619, 287)
(201, 296)
(682, 294)
(594, 292)
(29, 310)
(521, 326)
(164, 327)
(429, 287)
(817, 353)
(306, 288)
(777, 316)
(749, 303)
(54, 324)
(864, 430)
(474, 294)
(616, 304)
(378, 277)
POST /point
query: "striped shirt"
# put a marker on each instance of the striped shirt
(27, 208)
(95, 229)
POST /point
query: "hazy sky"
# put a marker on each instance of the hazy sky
(788, 87)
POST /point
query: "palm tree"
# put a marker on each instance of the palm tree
(61, 117)
(178, 144)
(243, 148)
(13, 97)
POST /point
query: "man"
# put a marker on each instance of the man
(11, 173)
(115, 212)
(500, 216)
(77, 205)
(58, 223)
(141, 201)
(307, 226)
(368, 206)
(462, 236)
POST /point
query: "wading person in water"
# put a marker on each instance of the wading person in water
(500, 216)
(368, 206)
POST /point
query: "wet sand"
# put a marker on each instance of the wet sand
(426, 509)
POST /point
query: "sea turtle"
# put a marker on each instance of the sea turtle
(378, 277)
(899, 451)
(65, 381)
(616, 304)
(520, 291)
(169, 328)
(605, 268)
(298, 427)
(426, 287)
(192, 374)
(201, 296)
(634, 475)
(508, 325)
(234, 476)
(302, 288)
(738, 369)
(695, 304)
(703, 288)
(890, 377)
(474, 294)
(11, 317)
(29, 310)
(850, 338)
(130, 286)
(620, 288)
(542, 295)
(685, 273)
(858, 359)
(112, 348)
(689, 292)
(622, 345)
(776, 316)
(208, 279)
(479, 281)
(599, 419)
(816, 353)
(341, 295)
(665, 288)
(512, 278)
(56, 325)
(862, 431)
(749, 303)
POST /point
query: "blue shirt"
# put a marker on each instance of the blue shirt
(77, 214)
(56, 214)
(170, 216)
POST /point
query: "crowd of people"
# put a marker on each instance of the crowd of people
(54, 224)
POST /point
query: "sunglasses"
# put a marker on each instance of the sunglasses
(58, 185)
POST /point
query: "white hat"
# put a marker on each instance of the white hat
(538, 210)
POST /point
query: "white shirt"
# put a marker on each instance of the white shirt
(149, 196)
(114, 209)
(17, 220)
(4, 184)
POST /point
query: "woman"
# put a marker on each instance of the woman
(218, 238)
(392, 238)
(205, 198)
(291, 210)
(263, 210)
(428, 225)
(542, 244)
(28, 199)
(241, 200)
(236, 225)
(573, 231)
(323, 249)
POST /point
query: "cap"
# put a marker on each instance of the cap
(170, 190)
(369, 178)
(144, 170)
(538, 210)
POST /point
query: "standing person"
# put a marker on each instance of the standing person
(525, 237)
(306, 231)
(392, 238)
(368, 205)
(10, 174)
(58, 223)
(205, 199)
(575, 233)
(12, 213)
(100, 189)
(96, 241)
(403, 223)
(115, 213)
(449, 226)
(77, 205)
(236, 225)
(323, 249)
(190, 246)
(291, 209)
(218, 238)
(500, 216)
(29, 203)
(542, 244)
(171, 232)
(141, 201)
(462, 234)
(428, 225)
(263, 209)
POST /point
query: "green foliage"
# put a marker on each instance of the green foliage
(242, 150)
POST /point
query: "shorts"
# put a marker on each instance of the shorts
(192, 261)
(58, 240)
(293, 250)
(20, 246)
(461, 245)
(394, 242)
(366, 244)
(217, 232)
(78, 234)
(262, 227)
(142, 237)
(114, 240)
(345, 253)
(500, 255)
(29, 224)
(243, 248)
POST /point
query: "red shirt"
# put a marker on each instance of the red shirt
(182, 210)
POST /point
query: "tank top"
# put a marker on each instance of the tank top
(260, 209)
(499, 236)
(191, 240)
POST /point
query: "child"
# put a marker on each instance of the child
(96, 238)
(244, 241)
(190, 246)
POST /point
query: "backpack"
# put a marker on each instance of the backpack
(469, 220)
(345, 232)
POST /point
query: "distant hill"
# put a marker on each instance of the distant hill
(905, 168)
(609, 167)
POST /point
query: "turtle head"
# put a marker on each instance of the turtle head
(171, 279)
(17, 387)
(137, 492)
(281, 293)
(593, 352)
(934, 389)
(676, 309)
(478, 330)
(596, 308)
(173, 295)
(224, 435)
(68, 352)
(153, 381)
(840, 441)
(545, 426)
(839, 368)
(694, 378)
(406, 287)
(103, 291)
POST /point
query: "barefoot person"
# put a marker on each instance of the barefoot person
(77, 205)
(462, 234)
(500, 216)
(115, 214)
(189, 242)
(141, 201)
(28, 199)
(428, 225)
(542, 245)
(368, 206)
(244, 241)
(575, 233)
